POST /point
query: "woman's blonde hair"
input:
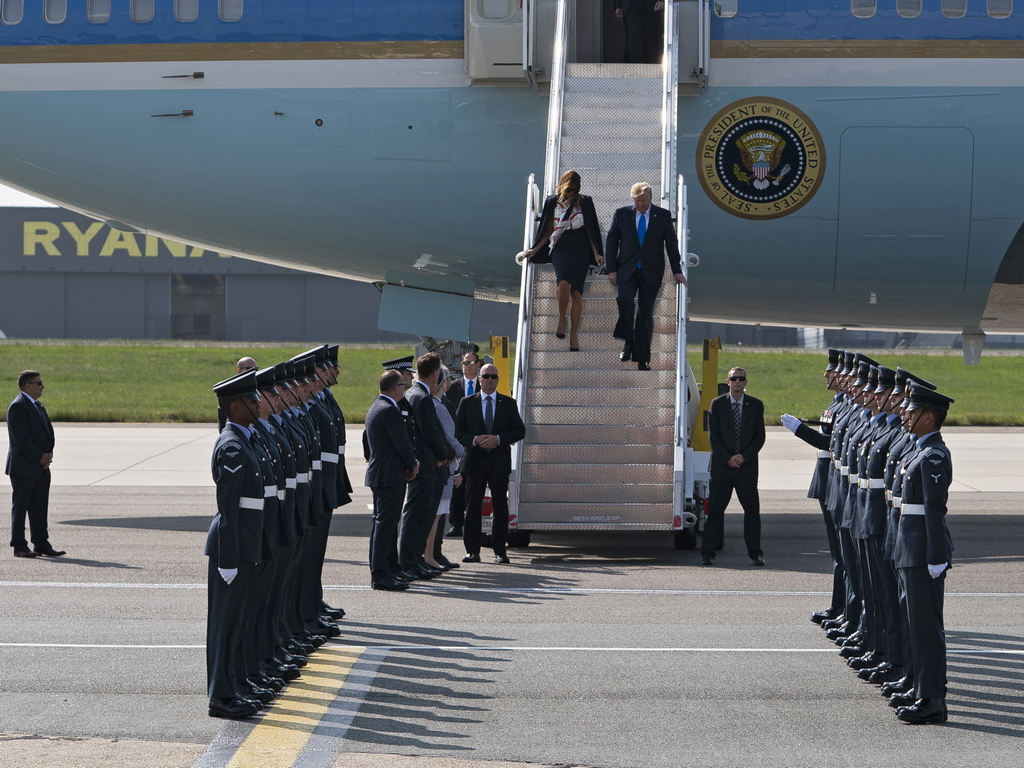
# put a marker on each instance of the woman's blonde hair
(569, 189)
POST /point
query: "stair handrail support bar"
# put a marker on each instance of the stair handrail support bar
(551, 158)
(683, 475)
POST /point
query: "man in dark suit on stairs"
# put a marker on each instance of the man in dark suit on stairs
(30, 453)
(638, 239)
(736, 433)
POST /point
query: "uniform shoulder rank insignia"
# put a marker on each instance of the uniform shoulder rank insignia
(232, 470)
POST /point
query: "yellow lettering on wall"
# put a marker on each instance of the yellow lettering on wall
(82, 239)
(42, 233)
(120, 241)
(152, 248)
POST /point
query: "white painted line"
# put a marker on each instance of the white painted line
(384, 649)
(422, 588)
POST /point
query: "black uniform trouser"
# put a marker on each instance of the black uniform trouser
(486, 474)
(927, 631)
(838, 571)
(224, 613)
(744, 482)
(895, 637)
(30, 497)
(854, 601)
(387, 510)
(872, 625)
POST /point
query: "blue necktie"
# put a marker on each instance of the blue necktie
(469, 387)
(641, 228)
(489, 415)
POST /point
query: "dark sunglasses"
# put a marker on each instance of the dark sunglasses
(488, 375)
(737, 378)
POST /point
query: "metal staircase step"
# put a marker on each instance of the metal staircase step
(596, 516)
(613, 493)
(623, 378)
(603, 341)
(595, 415)
(600, 434)
(574, 397)
(595, 474)
(597, 360)
(596, 323)
(598, 454)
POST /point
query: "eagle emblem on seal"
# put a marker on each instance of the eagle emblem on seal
(761, 153)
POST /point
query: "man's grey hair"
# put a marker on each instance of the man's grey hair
(640, 188)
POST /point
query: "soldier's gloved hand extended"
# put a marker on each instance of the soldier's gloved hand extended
(228, 574)
(936, 570)
(790, 422)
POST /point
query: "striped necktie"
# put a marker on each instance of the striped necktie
(737, 418)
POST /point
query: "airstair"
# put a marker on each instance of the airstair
(606, 445)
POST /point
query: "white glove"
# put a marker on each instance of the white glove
(936, 570)
(790, 422)
(228, 574)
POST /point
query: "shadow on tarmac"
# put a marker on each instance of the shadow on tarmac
(985, 687)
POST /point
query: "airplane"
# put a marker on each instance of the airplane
(851, 163)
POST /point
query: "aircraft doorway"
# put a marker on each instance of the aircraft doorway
(901, 235)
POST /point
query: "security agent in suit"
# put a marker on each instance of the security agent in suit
(638, 239)
(434, 454)
(29, 455)
(820, 440)
(924, 551)
(734, 467)
(467, 386)
(488, 460)
(235, 544)
(392, 464)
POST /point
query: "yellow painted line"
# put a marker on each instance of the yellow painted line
(282, 733)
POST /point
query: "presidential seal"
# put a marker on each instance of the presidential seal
(760, 158)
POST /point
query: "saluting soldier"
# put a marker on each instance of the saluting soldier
(235, 544)
(923, 553)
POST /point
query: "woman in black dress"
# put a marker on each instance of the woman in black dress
(570, 232)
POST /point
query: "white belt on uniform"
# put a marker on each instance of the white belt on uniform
(269, 491)
(290, 482)
(912, 509)
(836, 464)
(852, 479)
(897, 502)
(280, 495)
(330, 458)
(341, 450)
(823, 454)
(248, 502)
(844, 471)
(317, 464)
(872, 483)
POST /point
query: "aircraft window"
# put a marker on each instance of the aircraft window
(726, 9)
(908, 9)
(229, 10)
(142, 11)
(496, 10)
(55, 11)
(98, 11)
(863, 9)
(11, 11)
(186, 10)
(954, 9)
(1000, 9)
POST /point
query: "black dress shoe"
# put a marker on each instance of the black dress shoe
(838, 633)
(453, 532)
(25, 553)
(924, 712)
(232, 709)
(334, 613)
(286, 672)
(643, 366)
(627, 352)
(852, 651)
(447, 563)
(902, 685)
(314, 639)
(867, 672)
(258, 693)
(905, 699)
(293, 659)
(50, 552)
(882, 677)
(295, 647)
(391, 584)
(867, 661)
(821, 616)
(759, 560)
(501, 559)
(838, 621)
(263, 680)
(425, 572)
(707, 559)
(471, 559)
(328, 630)
(857, 638)
(403, 576)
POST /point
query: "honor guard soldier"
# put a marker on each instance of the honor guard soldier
(235, 544)
(923, 553)
(820, 440)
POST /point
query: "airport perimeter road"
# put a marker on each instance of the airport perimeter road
(595, 650)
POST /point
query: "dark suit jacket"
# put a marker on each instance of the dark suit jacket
(391, 452)
(722, 434)
(623, 249)
(590, 224)
(29, 435)
(457, 391)
(508, 426)
(431, 445)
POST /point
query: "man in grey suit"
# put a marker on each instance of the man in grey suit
(29, 455)
(392, 464)
(736, 434)
(638, 239)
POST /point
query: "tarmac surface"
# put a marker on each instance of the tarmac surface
(588, 650)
